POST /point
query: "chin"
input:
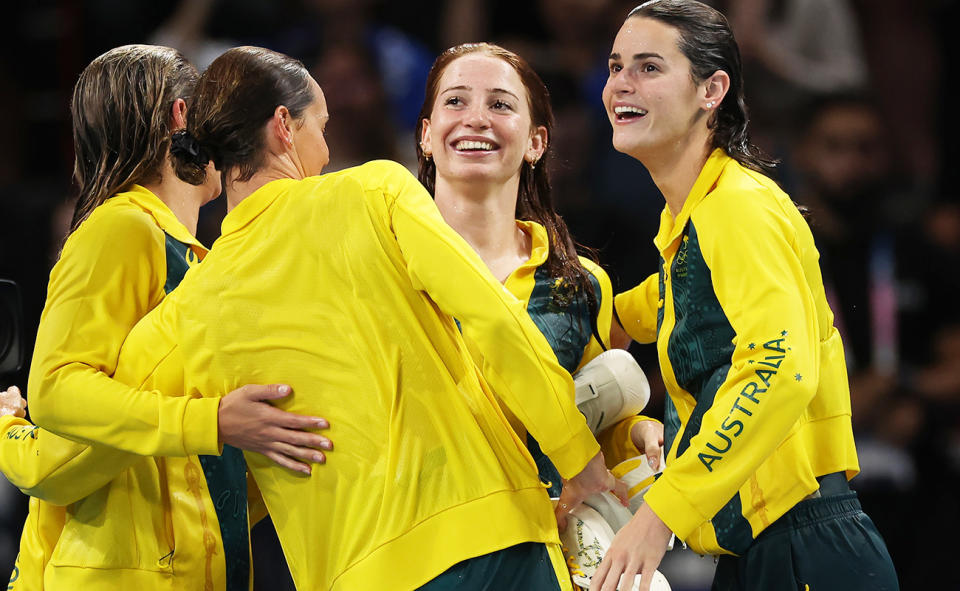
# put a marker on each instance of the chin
(476, 172)
(625, 145)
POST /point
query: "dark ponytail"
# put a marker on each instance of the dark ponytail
(235, 97)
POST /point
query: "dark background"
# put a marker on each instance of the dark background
(850, 95)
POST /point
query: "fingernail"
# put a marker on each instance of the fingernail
(328, 445)
(322, 423)
(318, 457)
(305, 470)
(652, 462)
(284, 389)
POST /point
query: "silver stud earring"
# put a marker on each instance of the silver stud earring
(710, 105)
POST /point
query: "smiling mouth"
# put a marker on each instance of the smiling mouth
(624, 113)
(474, 146)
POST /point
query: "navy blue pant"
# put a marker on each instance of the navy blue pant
(524, 567)
(824, 544)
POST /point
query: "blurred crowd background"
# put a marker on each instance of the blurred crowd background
(851, 95)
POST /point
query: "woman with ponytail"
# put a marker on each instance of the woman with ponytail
(131, 243)
(757, 428)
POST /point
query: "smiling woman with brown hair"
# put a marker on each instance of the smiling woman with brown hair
(484, 153)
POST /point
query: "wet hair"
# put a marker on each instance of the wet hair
(534, 198)
(707, 41)
(121, 110)
(235, 97)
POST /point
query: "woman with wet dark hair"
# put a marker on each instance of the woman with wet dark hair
(131, 243)
(348, 284)
(757, 428)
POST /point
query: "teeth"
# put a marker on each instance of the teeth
(623, 109)
(471, 145)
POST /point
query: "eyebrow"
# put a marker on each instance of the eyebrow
(614, 57)
(494, 90)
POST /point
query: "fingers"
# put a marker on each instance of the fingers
(12, 402)
(286, 462)
(255, 392)
(646, 578)
(622, 492)
(600, 575)
(652, 447)
(294, 421)
(261, 392)
(300, 438)
(307, 454)
(611, 578)
(653, 458)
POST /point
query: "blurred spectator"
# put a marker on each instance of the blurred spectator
(401, 59)
(905, 65)
(846, 176)
(186, 30)
(360, 127)
(884, 256)
(793, 52)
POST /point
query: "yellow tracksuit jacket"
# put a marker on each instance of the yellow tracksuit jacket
(759, 404)
(345, 286)
(564, 319)
(113, 269)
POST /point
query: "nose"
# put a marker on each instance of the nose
(477, 116)
(619, 83)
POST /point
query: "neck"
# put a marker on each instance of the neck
(675, 170)
(276, 167)
(484, 215)
(183, 199)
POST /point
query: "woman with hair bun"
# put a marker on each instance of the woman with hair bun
(757, 428)
(347, 284)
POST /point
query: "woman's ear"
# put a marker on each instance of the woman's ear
(715, 88)
(178, 114)
(538, 144)
(281, 127)
(426, 146)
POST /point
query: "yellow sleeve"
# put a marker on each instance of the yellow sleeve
(110, 274)
(636, 309)
(517, 360)
(51, 468)
(604, 312)
(751, 248)
(616, 442)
